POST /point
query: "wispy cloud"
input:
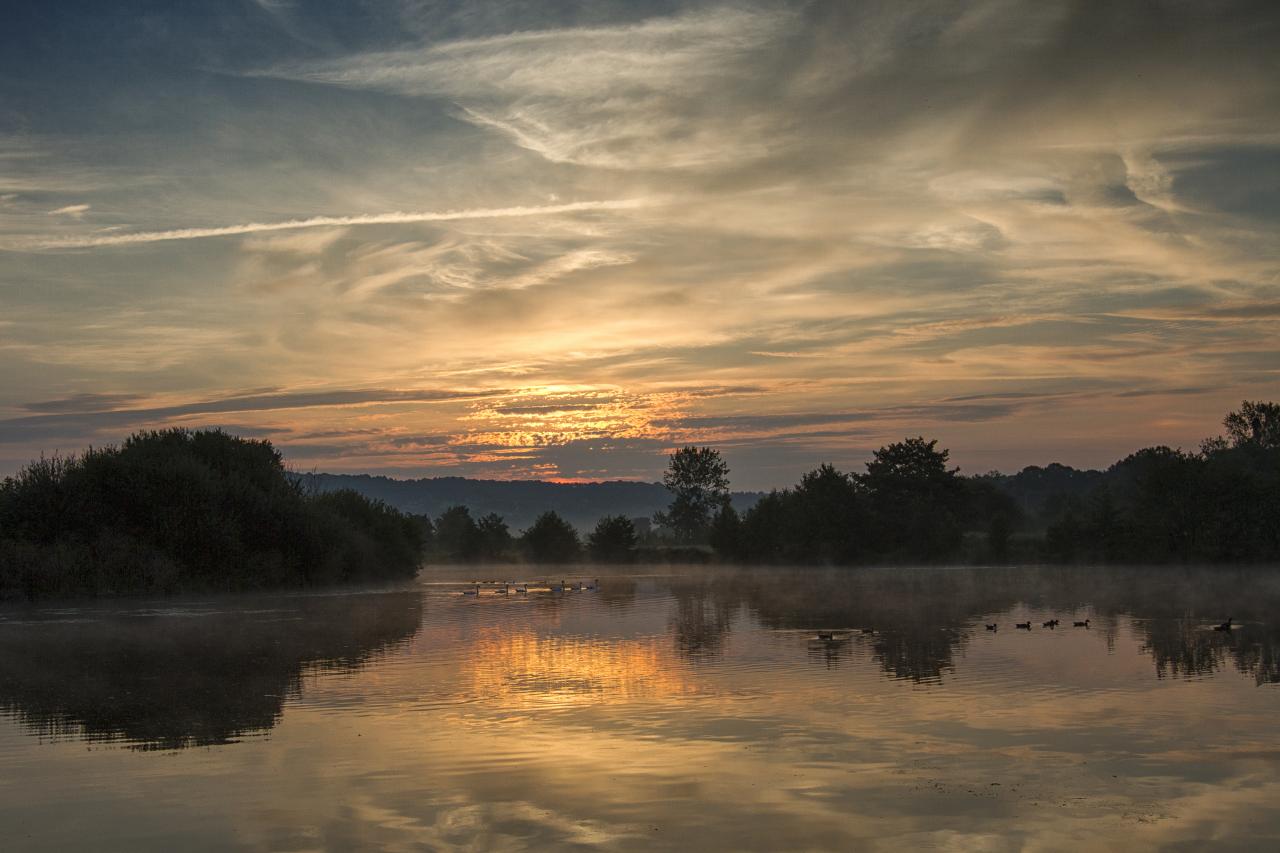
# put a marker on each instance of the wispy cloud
(88, 413)
(399, 218)
(75, 211)
(621, 96)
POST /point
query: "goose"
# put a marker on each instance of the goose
(994, 627)
(868, 630)
(1026, 626)
(1084, 624)
(523, 589)
(592, 586)
(558, 587)
(475, 591)
(1225, 626)
(826, 636)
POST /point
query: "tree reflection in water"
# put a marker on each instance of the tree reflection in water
(187, 675)
(178, 677)
(915, 622)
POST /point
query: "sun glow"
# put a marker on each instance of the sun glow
(528, 670)
(558, 414)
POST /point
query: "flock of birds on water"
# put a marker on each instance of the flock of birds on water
(525, 588)
(1051, 624)
(1054, 623)
(837, 636)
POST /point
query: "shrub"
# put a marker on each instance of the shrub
(178, 509)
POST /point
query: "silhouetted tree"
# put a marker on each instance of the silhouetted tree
(551, 539)
(457, 535)
(915, 499)
(767, 529)
(613, 540)
(726, 533)
(1064, 538)
(178, 509)
(426, 530)
(1156, 505)
(829, 510)
(698, 479)
(1254, 423)
(998, 532)
(494, 540)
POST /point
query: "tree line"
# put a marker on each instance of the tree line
(1220, 503)
(177, 509)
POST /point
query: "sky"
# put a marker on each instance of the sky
(557, 240)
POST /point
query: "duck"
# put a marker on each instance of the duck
(826, 636)
(1051, 624)
(1084, 624)
(868, 630)
(593, 585)
(1026, 626)
(994, 627)
(1225, 626)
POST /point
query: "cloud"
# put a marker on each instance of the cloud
(64, 416)
(84, 402)
(398, 218)
(75, 211)
(1019, 226)
(627, 96)
(922, 415)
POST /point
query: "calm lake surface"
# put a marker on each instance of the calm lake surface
(669, 708)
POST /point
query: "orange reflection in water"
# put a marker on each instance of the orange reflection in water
(526, 670)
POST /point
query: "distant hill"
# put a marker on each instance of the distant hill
(519, 502)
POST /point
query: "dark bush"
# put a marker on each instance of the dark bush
(177, 509)
(551, 539)
(613, 540)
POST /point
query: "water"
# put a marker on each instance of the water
(687, 709)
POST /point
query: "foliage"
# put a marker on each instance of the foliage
(698, 479)
(1166, 505)
(726, 531)
(613, 540)
(495, 540)
(1256, 424)
(551, 539)
(1157, 505)
(458, 537)
(179, 509)
(915, 499)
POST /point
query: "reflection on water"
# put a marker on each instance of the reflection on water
(185, 676)
(522, 670)
(707, 707)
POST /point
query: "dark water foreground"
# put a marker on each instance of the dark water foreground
(696, 710)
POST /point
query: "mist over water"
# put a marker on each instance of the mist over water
(682, 708)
